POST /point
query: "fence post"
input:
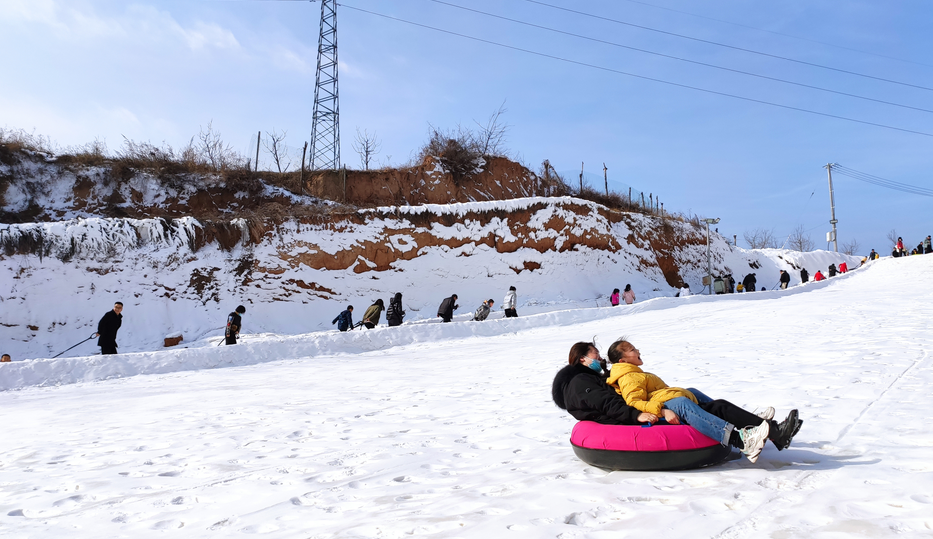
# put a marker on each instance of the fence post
(258, 137)
(301, 176)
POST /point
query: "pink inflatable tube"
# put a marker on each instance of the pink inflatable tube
(659, 447)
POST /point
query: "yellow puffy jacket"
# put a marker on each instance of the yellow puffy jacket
(643, 390)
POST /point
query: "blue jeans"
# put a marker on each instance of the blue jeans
(708, 424)
(702, 398)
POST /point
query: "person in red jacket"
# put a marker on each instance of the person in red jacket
(843, 268)
(818, 276)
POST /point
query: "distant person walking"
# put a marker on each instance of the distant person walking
(749, 282)
(873, 255)
(927, 246)
(785, 279)
(804, 276)
(843, 267)
(817, 277)
(395, 313)
(234, 324)
(628, 295)
(832, 270)
(344, 320)
(614, 298)
(483, 310)
(107, 329)
(447, 308)
(373, 314)
(509, 303)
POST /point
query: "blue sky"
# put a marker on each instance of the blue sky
(159, 71)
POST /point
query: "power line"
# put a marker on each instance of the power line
(714, 66)
(882, 182)
(785, 58)
(611, 70)
(779, 33)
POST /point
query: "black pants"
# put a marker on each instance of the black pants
(108, 349)
(739, 418)
(510, 313)
(231, 339)
(369, 325)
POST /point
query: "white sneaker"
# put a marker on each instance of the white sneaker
(754, 438)
(767, 414)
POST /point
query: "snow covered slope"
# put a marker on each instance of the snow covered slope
(447, 430)
(181, 276)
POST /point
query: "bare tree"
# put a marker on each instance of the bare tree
(275, 145)
(852, 247)
(212, 151)
(490, 140)
(799, 240)
(892, 237)
(367, 146)
(760, 238)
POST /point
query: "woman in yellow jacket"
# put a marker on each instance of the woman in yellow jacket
(647, 392)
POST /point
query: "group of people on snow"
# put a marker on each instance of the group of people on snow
(628, 296)
(619, 392)
(922, 248)
(395, 313)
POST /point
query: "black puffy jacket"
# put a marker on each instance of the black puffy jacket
(395, 313)
(584, 393)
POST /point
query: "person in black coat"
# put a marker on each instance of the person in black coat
(395, 313)
(107, 329)
(234, 323)
(446, 310)
(804, 276)
(785, 279)
(582, 391)
(344, 320)
(749, 282)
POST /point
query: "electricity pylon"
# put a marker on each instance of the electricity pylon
(325, 128)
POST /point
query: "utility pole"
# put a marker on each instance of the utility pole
(832, 204)
(325, 127)
(581, 177)
(606, 178)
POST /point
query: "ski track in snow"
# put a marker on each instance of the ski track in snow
(449, 430)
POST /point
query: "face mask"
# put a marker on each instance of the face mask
(596, 366)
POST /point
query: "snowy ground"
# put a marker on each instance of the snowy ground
(435, 430)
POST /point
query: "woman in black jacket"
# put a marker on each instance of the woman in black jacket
(395, 313)
(581, 389)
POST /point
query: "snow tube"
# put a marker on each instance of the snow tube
(639, 448)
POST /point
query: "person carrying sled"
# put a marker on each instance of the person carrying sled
(749, 282)
(872, 255)
(344, 320)
(509, 303)
(614, 298)
(628, 295)
(804, 276)
(785, 279)
(483, 310)
(395, 313)
(373, 313)
(234, 323)
(107, 329)
(447, 308)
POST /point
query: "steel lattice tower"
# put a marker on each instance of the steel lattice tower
(325, 129)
